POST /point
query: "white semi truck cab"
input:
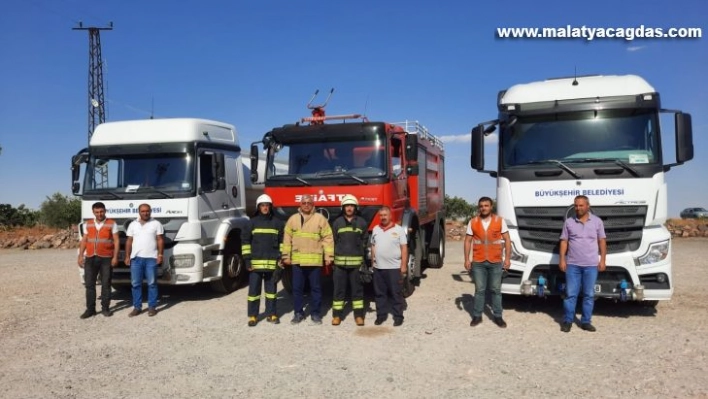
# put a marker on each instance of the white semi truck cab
(597, 136)
(190, 172)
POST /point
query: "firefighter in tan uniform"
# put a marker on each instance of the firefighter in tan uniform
(307, 243)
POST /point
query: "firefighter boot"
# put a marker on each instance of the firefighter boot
(252, 321)
(336, 320)
(359, 321)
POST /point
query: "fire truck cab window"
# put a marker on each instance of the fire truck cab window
(396, 162)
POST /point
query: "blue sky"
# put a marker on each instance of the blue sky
(256, 64)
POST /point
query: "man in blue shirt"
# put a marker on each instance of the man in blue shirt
(582, 238)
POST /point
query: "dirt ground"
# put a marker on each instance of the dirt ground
(199, 344)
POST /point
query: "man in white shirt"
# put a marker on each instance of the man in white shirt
(145, 248)
(389, 251)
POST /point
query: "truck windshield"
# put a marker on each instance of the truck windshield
(630, 136)
(139, 172)
(318, 160)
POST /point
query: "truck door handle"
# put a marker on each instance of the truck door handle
(225, 205)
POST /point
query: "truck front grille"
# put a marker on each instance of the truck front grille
(540, 228)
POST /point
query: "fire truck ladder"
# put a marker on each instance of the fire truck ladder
(414, 127)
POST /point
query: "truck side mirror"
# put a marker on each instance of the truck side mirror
(254, 163)
(684, 137)
(412, 147)
(76, 161)
(477, 149)
(75, 187)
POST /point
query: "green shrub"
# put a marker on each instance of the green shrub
(20, 216)
(60, 211)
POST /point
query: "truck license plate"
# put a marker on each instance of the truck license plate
(598, 288)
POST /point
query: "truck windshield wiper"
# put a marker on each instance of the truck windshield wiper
(285, 177)
(343, 173)
(116, 196)
(303, 181)
(155, 190)
(559, 164)
(617, 162)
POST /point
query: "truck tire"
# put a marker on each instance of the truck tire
(121, 287)
(648, 304)
(436, 257)
(287, 279)
(408, 287)
(233, 274)
(408, 284)
(417, 271)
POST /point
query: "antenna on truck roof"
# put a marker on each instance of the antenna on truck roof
(575, 76)
(318, 112)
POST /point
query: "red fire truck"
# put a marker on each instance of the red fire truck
(400, 165)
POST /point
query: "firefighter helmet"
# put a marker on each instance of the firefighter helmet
(349, 200)
(263, 199)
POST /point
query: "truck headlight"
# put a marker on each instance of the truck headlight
(657, 252)
(182, 261)
(516, 256)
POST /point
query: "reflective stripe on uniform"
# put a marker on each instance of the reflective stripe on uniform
(263, 263)
(265, 231)
(349, 229)
(337, 305)
(358, 304)
(341, 260)
(303, 258)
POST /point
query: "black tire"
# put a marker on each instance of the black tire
(408, 286)
(121, 287)
(436, 257)
(233, 273)
(286, 278)
(648, 304)
(417, 271)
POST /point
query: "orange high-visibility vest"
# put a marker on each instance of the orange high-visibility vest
(99, 242)
(486, 245)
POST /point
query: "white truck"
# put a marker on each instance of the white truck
(597, 136)
(190, 171)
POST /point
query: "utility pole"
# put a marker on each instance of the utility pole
(96, 102)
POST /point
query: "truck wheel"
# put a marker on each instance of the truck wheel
(417, 271)
(408, 286)
(435, 257)
(233, 274)
(121, 287)
(287, 279)
(648, 304)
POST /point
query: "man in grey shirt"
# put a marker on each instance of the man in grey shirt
(389, 251)
(583, 236)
